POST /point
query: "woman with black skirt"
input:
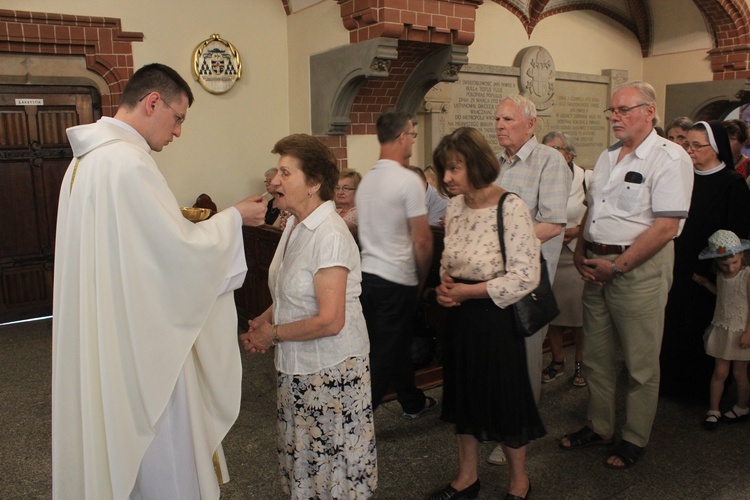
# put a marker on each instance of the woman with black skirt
(486, 390)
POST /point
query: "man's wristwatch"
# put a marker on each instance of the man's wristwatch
(616, 270)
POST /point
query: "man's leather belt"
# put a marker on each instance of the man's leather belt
(600, 249)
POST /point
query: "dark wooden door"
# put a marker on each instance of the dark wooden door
(34, 154)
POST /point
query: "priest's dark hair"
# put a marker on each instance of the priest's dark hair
(155, 77)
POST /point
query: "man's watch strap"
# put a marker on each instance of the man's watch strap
(616, 270)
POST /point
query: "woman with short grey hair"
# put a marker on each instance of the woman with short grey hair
(567, 285)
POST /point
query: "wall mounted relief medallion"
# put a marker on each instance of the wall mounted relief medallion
(538, 77)
(216, 64)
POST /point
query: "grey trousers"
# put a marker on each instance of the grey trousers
(629, 308)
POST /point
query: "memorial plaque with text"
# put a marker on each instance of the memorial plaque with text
(578, 109)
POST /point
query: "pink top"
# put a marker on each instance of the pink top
(349, 216)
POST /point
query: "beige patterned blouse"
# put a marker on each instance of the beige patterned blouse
(472, 248)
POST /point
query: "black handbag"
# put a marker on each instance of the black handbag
(537, 309)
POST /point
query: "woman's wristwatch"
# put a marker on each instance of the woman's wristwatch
(275, 340)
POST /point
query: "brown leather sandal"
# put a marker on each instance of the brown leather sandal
(583, 438)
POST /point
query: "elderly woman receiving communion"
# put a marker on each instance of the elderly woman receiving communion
(326, 438)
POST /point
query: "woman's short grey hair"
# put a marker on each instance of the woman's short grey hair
(647, 92)
(682, 122)
(272, 170)
(565, 138)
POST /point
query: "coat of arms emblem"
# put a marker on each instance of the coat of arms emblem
(216, 65)
(538, 77)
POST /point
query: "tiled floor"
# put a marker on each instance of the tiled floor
(414, 457)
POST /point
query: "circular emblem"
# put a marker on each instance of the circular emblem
(538, 77)
(216, 64)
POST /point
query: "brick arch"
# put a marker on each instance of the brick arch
(379, 95)
(728, 19)
(419, 30)
(106, 49)
(640, 24)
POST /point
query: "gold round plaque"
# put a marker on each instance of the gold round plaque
(216, 64)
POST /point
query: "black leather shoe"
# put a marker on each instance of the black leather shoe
(508, 496)
(449, 492)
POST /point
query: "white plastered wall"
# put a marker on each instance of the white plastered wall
(680, 49)
(226, 140)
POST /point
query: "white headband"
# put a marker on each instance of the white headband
(710, 134)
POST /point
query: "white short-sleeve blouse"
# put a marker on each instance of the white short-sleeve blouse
(322, 240)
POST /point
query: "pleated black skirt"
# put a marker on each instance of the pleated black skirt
(486, 389)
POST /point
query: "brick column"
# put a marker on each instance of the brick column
(430, 21)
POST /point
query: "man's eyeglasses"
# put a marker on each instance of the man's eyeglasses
(413, 134)
(695, 146)
(622, 111)
(179, 119)
(344, 189)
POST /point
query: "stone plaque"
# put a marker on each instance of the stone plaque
(579, 102)
(579, 112)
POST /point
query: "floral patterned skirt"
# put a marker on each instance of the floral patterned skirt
(326, 439)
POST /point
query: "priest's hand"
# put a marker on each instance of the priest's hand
(252, 210)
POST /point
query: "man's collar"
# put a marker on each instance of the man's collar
(121, 124)
(644, 147)
(524, 152)
(389, 162)
(641, 151)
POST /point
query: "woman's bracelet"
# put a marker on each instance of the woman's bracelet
(275, 340)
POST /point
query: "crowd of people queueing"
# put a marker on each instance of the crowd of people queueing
(352, 260)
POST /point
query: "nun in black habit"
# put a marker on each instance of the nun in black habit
(720, 200)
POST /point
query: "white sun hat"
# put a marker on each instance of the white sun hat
(723, 243)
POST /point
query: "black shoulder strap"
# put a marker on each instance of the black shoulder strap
(500, 228)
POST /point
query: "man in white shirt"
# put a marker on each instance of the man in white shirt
(146, 370)
(638, 200)
(396, 243)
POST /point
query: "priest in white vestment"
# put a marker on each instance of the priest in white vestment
(146, 368)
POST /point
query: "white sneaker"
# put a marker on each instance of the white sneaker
(497, 457)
